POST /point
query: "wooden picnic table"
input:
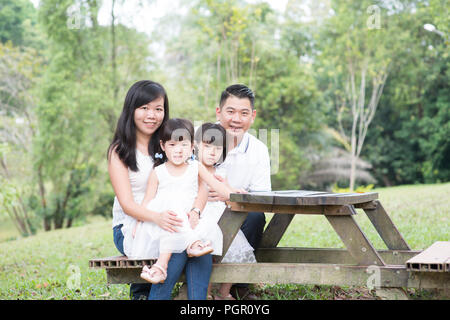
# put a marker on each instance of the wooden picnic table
(359, 264)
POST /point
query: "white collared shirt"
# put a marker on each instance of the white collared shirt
(247, 166)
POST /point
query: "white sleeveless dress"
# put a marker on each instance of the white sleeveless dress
(175, 193)
(240, 251)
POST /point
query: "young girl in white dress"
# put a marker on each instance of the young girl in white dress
(173, 185)
(210, 144)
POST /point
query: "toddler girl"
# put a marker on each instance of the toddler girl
(210, 143)
(172, 186)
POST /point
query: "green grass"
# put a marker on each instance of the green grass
(47, 265)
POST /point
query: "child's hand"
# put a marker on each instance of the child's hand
(193, 218)
(213, 195)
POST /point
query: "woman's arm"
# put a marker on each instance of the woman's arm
(221, 188)
(152, 187)
(118, 174)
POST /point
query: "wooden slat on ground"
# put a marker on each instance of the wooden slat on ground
(435, 258)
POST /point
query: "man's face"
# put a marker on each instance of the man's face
(236, 116)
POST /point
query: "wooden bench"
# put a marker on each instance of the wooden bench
(360, 264)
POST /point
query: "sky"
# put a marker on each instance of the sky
(144, 18)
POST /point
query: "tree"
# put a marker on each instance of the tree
(19, 70)
(222, 42)
(358, 46)
(89, 67)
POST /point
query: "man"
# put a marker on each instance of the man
(247, 164)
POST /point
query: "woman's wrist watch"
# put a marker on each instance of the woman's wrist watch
(196, 210)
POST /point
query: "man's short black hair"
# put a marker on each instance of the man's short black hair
(238, 90)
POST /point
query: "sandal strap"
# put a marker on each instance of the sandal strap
(163, 271)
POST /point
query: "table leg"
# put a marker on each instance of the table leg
(355, 240)
(385, 227)
(230, 223)
(275, 230)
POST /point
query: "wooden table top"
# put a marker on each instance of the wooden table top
(303, 197)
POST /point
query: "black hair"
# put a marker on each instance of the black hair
(238, 90)
(174, 129)
(124, 140)
(212, 133)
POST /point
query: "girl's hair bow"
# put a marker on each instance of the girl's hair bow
(158, 155)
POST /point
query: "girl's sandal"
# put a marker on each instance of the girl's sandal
(201, 249)
(152, 275)
(204, 248)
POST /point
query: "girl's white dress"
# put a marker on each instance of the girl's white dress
(175, 193)
(178, 193)
(240, 251)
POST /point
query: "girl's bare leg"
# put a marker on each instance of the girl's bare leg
(163, 259)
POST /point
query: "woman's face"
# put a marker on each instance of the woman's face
(209, 154)
(149, 117)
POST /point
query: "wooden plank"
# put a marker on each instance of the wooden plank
(291, 209)
(230, 222)
(385, 227)
(337, 199)
(301, 255)
(327, 255)
(307, 273)
(433, 259)
(365, 205)
(275, 230)
(355, 240)
(302, 197)
(120, 262)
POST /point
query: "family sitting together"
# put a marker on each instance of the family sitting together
(171, 184)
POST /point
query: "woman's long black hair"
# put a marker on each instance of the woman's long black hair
(124, 140)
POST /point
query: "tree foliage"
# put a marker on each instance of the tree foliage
(317, 70)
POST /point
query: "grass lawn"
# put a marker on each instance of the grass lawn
(54, 265)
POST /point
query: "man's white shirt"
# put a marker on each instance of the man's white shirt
(247, 166)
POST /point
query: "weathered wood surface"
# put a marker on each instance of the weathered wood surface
(303, 198)
(385, 227)
(275, 230)
(328, 255)
(339, 210)
(436, 258)
(307, 273)
(273, 255)
(355, 240)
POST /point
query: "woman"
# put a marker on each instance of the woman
(130, 161)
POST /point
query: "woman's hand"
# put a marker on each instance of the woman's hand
(193, 218)
(168, 220)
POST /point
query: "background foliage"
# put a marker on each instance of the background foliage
(64, 75)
